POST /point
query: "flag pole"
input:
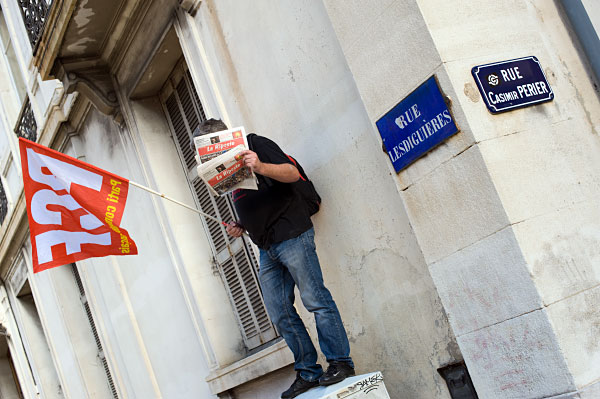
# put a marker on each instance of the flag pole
(177, 202)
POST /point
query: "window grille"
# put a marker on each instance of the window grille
(234, 258)
(3, 204)
(27, 126)
(90, 318)
(34, 14)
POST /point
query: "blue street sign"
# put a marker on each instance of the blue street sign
(512, 84)
(416, 125)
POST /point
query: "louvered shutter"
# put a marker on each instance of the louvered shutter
(92, 323)
(234, 258)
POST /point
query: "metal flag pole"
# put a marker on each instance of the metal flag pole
(177, 202)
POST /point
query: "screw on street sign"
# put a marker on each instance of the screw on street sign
(416, 124)
(512, 84)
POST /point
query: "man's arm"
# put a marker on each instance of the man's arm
(285, 172)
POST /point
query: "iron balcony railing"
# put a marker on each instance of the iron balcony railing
(27, 127)
(34, 14)
(3, 204)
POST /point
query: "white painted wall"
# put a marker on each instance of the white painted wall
(138, 299)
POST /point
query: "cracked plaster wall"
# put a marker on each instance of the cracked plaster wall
(295, 87)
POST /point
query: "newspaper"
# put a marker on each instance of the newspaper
(219, 161)
(227, 172)
(211, 145)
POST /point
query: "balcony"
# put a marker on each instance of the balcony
(3, 204)
(27, 127)
(35, 13)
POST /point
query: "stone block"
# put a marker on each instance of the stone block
(385, 72)
(562, 248)
(454, 206)
(485, 283)
(352, 17)
(542, 23)
(576, 322)
(366, 386)
(486, 125)
(482, 19)
(590, 392)
(448, 148)
(518, 358)
(541, 170)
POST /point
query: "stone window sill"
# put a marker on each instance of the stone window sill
(252, 367)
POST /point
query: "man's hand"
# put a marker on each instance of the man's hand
(234, 229)
(285, 172)
(251, 160)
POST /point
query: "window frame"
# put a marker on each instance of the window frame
(228, 254)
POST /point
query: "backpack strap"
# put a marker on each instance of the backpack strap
(300, 171)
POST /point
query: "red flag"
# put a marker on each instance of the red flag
(74, 208)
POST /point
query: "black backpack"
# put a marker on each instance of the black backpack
(304, 186)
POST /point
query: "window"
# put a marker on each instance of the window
(34, 14)
(10, 387)
(26, 125)
(8, 52)
(233, 257)
(90, 318)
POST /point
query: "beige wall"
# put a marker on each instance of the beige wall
(493, 206)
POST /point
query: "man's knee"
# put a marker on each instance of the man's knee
(281, 313)
(317, 300)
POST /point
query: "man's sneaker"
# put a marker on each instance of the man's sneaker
(300, 385)
(336, 372)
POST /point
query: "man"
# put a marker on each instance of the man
(278, 222)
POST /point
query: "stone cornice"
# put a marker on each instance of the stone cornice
(52, 37)
(191, 6)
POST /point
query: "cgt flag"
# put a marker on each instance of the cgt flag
(74, 208)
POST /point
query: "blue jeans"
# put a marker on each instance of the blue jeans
(283, 266)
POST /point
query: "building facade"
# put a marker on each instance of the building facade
(482, 254)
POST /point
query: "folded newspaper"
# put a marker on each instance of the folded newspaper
(220, 164)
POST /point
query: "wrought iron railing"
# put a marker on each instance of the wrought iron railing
(34, 16)
(27, 127)
(3, 204)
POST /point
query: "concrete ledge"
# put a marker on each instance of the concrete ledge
(255, 366)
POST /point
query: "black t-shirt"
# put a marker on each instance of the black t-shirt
(275, 212)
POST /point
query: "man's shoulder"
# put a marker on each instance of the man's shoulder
(258, 142)
(258, 138)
